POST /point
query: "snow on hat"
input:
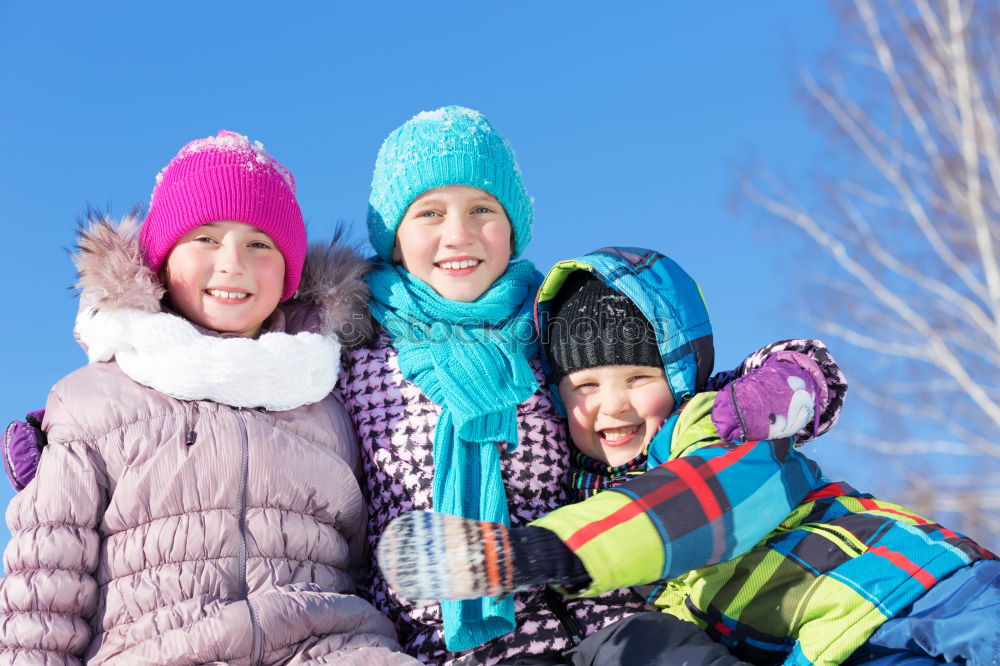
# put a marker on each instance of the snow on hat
(452, 145)
(225, 177)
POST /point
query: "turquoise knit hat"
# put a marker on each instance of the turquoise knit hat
(452, 145)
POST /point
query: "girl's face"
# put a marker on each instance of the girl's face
(457, 239)
(226, 276)
(615, 410)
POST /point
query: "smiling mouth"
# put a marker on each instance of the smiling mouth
(228, 295)
(618, 436)
(460, 265)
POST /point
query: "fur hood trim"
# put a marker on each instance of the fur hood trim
(111, 272)
(333, 279)
(112, 275)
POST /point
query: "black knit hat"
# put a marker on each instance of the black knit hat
(592, 325)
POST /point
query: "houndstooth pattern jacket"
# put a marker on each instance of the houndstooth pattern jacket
(395, 423)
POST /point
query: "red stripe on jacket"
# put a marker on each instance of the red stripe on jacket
(689, 478)
(900, 561)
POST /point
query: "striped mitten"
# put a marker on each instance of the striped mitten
(436, 556)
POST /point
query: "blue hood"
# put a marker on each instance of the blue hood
(665, 294)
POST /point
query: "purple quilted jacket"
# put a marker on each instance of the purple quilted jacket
(183, 531)
(395, 423)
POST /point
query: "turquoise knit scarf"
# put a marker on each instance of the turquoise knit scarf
(473, 360)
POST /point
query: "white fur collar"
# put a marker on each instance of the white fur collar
(277, 371)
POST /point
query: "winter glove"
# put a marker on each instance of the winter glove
(435, 556)
(785, 395)
(22, 448)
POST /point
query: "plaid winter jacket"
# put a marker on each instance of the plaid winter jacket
(811, 592)
(753, 543)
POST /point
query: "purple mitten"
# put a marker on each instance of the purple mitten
(22, 448)
(784, 395)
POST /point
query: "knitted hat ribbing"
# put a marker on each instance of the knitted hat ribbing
(225, 178)
(452, 145)
(592, 325)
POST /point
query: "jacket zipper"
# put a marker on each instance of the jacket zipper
(190, 421)
(569, 623)
(836, 538)
(257, 648)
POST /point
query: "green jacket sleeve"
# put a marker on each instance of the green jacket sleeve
(709, 502)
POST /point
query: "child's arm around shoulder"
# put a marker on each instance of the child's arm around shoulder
(705, 501)
(49, 591)
(710, 501)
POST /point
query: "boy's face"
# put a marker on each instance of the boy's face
(226, 276)
(615, 410)
(456, 239)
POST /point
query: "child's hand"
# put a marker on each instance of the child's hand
(779, 399)
(435, 556)
(22, 448)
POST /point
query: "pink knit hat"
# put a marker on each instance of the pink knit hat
(225, 177)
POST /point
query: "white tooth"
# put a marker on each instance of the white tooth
(456, 265)
(218, 293)
(619, 433)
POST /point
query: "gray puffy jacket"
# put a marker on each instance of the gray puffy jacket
(187, 524)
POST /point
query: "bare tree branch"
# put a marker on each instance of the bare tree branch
(907, 221)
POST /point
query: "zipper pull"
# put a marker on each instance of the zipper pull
(190, 419)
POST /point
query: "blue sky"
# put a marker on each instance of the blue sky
(631, 124)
